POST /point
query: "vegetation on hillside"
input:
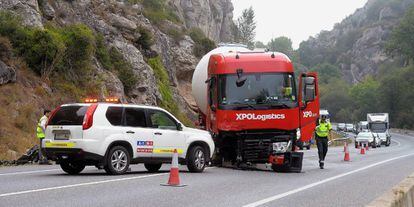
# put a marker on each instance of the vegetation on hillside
(389, 91)
(163, 82)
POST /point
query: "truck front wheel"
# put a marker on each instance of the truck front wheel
(280, 168)
(72, 167)
(196, 159)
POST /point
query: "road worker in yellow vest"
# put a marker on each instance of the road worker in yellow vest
(40, 133)
(322, 132)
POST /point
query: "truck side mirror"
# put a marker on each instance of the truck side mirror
(240, 81)
(309, 89)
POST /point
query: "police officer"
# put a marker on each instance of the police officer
(323, 130)
(40, 133)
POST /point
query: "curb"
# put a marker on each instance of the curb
(401, 195)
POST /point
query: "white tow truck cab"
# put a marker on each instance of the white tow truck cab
(379, 124)
(113, 136)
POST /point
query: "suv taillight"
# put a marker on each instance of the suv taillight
(52, 115)
(88, 120)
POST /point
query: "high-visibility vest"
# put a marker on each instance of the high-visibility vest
(322, 130)
(39, 131)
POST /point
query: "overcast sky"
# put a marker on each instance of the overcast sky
(296, 19)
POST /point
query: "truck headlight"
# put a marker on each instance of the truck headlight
(281, 147)
(298, 134)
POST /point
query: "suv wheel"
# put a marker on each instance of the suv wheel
(72, 167)
(117, 160)
(196, 159)
(153, 167)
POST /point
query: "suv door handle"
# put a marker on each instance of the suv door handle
(158, 133)
(130, 132)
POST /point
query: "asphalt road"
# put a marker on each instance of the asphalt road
(354, 183)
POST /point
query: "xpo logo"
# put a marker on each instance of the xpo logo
(308, 114)
(263, 117)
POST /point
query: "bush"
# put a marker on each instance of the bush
(80, 46)
(6, 49)
(145, 41)
(102, 53)
(163, 84)
(157, 11)
(177, 35)
(203, 44)
(124, 70)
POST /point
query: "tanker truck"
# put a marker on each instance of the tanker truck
(254, 107)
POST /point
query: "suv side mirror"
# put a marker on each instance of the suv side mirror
(179, 127)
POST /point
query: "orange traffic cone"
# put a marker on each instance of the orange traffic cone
(367, 147)
(174, 179)
(346, 157)
(362, 150)
(345, 146)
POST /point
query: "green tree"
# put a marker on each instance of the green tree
(281, 44)
(335, 97)
(259, 44)
(365, 97)
(326, 72)
(245, 27)
(402, 41)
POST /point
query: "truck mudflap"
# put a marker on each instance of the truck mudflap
(287, 162)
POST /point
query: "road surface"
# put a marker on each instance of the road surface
(354, 183)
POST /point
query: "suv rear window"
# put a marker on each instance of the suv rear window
(135, 117)
(114, 115)
(69, 115)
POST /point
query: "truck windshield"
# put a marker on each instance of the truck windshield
(378, 127)
(260, 91)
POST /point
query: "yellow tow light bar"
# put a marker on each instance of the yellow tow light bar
(108, 100)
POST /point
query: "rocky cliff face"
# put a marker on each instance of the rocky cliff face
(118, 21)
(356, 44)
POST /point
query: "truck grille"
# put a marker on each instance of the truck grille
(257, 150)
(258, 146)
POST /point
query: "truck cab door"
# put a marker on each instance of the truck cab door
(309, 104)
(211, 124)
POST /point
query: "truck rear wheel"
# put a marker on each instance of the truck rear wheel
(72, 167)
(153, 167)
(196, 159)
(117, 161)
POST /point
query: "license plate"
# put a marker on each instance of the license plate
(61, 134)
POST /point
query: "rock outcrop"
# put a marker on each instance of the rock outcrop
(7, 74)
(118, 21)
(356, 44)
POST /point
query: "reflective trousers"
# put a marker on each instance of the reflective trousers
(322, 143)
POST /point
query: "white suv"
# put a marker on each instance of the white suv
(112, 136)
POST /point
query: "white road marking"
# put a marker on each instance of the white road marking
(398, 143)
(282, 195)
(28, 172)
(80, 184)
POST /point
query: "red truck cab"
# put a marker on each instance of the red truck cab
(257, 111)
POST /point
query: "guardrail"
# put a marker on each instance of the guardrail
(401, 195)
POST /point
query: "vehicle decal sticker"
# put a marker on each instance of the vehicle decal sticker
(144, 150)
(60, 144)
(167, 151)
(145, 143)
